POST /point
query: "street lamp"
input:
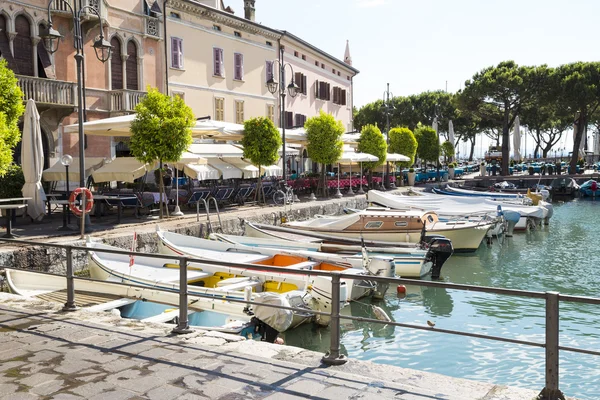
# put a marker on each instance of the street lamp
(103, 51)
(386, 101)
(437, 132)
(292, 89)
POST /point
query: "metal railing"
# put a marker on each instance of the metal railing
(48, 91)
(552, 299)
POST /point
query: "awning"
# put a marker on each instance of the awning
(249, 170)
(121, 126)
(272, 170)
(227, 170)
(121, 169)
(189, 158)
(216, 150)
(201, 172)
(57, 172)
(289, 151)
(353, 158)
(395, 157)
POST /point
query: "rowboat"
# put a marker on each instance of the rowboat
(397, 226)
(164, 273)
(414, 260)
(182, 245)
(214, 314)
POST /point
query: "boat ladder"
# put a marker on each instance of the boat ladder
(206, 203)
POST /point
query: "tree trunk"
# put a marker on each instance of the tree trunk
(472, 149)
(259, 192)
(580, 123)
(324, 181)
(161, 190)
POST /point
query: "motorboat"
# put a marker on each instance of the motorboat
(414, 260)
(562, 187)
(534, 196)
(225, 284)
(183, 245)
(589, 188)
(395, 226)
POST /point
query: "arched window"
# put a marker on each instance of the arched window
(116, 65)
(23, 47)
(132, 66)
(5, 46)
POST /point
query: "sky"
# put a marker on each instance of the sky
(428, 45)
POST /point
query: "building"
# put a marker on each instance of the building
(113, 88)
(220, 63)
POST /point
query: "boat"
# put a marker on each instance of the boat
(414, 260)
(534, 196)
(164, 273)
(395, 226)
(214, 314)
(451, 208)
(172, 243)
(589, 188)
(563, 187)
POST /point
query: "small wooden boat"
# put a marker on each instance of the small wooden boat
(204, 280)
(395, 226)
(182, 245)
(414, 260)
(103, 296)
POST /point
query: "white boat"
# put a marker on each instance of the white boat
(412, 260)
(52, 287)
(182, 245)
(397, 226)
(226, 283)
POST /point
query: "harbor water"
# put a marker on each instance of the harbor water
(562, 257)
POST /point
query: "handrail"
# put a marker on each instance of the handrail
(551, 390)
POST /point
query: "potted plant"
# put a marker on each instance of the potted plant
(11, 185)
(451, 167)
(411, 177)
(482, 169)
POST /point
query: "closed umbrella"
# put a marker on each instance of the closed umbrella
(32, 161)
(451, 133)
(517, 139)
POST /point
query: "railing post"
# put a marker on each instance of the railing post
(333, 357)
(70, 304)
(183, 326)
(551, 391)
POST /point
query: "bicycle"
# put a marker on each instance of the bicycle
(284, 194)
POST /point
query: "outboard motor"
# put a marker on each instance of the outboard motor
(440, 249)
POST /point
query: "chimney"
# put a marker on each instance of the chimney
(249, 10)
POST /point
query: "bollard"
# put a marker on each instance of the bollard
(551, 391)
(182, 325)
(70, 304)
(333, 357)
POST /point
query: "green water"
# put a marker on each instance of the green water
(562, 257)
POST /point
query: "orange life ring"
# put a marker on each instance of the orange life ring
(89, 201)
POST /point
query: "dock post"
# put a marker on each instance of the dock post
(333, 357)
(551, 391)
(70, 304)
(182, 325)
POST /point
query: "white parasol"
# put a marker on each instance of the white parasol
(32, 161)
(517, 139)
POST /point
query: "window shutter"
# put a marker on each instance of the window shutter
(304, 84)
(317, 85)
(221, 66)
(116, 65)
(131, 66)
(23, 48)
(328, 88)
(217, 62)
(239, 66)
(335, 95)
(269, 70)
(174, 53)
(344, 97)
(180, 52)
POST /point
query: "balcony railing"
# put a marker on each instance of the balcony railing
(61, 6)
(125, 100)
(48, 91)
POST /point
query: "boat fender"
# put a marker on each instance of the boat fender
(380, 314)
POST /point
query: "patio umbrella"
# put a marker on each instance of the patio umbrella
(517, 139)
(451, 134)
(32, 161)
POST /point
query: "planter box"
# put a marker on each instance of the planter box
(411, 178)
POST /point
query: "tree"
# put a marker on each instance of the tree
(261, 143)
(467, 126)
(447, 149)
(402, 141)
(580, 93)
(372, 142)
(11, 109)
(428, 143)
(372, 113)
(497, 94)
(161, 130)
(323, 134)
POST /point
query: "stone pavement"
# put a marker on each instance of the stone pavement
(48, 354)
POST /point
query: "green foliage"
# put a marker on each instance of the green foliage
(11, 183)
(428, 143)
(162, 128)
(411, 170)
(403, 141)
(323, 134)
(447, 149)
(11, 109)
(261, 141)
(372, 142)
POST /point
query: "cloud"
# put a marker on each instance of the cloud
(369, 3)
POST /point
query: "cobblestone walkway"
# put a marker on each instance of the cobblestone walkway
(47, 354)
